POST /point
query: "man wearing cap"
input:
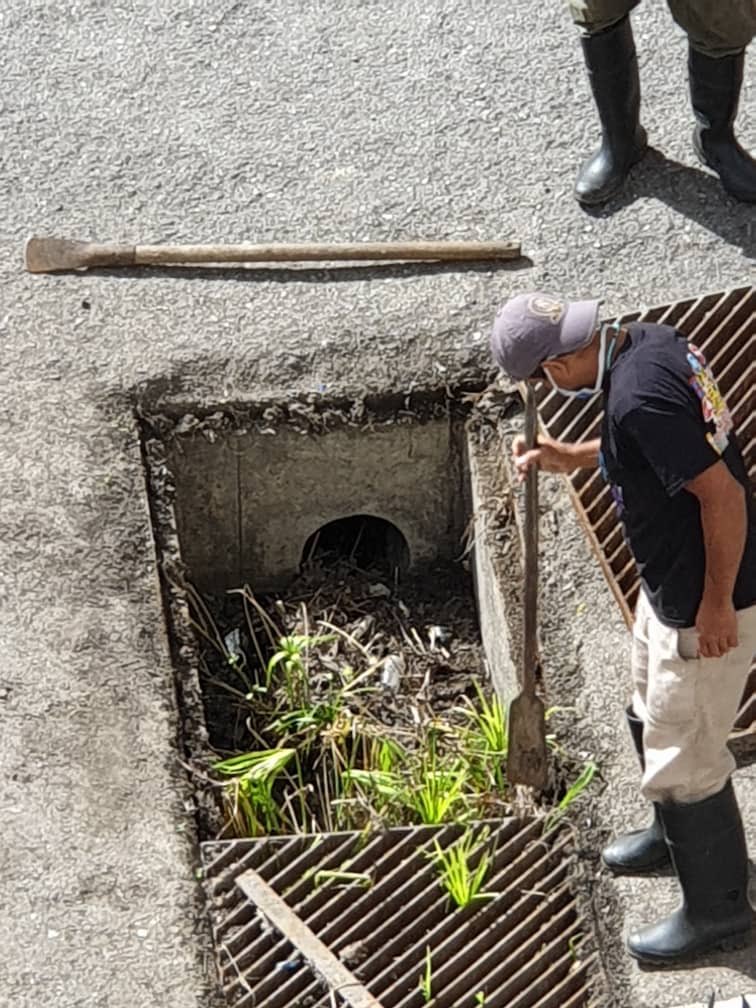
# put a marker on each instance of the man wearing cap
(669, 453)
(718, 34)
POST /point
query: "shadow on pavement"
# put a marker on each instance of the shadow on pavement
(741, 961)
(295, 273)
(691, 192)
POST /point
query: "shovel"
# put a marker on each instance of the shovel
(48, 255)
(526, 758)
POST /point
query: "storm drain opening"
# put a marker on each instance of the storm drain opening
(367, 542)
(363, 919)
(333, 589)
(723, 326)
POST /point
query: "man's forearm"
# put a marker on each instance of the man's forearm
(585, 455)
(722, 503)
(555, 456)
(724, 532)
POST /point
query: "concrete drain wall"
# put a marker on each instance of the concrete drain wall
(247, 503)
(246, 499)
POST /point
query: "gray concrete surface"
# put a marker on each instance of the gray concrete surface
(740, 1002)
(176, 121)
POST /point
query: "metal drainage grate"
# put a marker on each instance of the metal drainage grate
(287, 935)
(723, 326)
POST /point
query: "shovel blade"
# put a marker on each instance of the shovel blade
(47, 255)
(52, 255)
(526, 755)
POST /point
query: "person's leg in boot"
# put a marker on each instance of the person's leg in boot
(718, 36)
(711, 862)
(643, 851)
(691, 706)
(609, 53)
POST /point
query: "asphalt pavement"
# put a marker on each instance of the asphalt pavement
(291, 120)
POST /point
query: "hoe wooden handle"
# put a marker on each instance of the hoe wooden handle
(48, 255)
(530, 595)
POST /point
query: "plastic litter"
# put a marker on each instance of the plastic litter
(391, 671)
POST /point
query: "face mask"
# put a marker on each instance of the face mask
(604, 359)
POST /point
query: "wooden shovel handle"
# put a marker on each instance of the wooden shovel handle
(48, 255)
(530, 596)
(148, 255)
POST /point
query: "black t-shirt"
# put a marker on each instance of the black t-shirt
(665, 422)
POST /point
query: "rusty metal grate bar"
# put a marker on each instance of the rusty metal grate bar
(523, 947)
(723, 326)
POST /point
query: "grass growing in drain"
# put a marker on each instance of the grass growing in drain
(292, 658)
(486, 739)
(426, 978)
(463, 867)
(574, 791)
(249, 794)
(430, 784)
(326, 758)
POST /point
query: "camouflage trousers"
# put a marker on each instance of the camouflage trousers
(714, 27)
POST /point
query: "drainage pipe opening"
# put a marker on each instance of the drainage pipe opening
(361, 540)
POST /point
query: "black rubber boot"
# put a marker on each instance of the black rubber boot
(715, 91)
(709, 854)
(613, 74)
(641, 851)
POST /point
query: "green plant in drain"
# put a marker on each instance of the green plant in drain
(323, 724)
(325, 762)
(578, 786)
(299, 716)
(485, 742)
(463, 867)
(425, 982)
(249, 793)
(291, 656)
(425, 784)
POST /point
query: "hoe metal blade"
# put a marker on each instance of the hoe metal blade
(52, 255)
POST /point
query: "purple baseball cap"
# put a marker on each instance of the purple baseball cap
(531, 328)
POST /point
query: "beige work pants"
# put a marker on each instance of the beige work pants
(687, 705)
(714, 27)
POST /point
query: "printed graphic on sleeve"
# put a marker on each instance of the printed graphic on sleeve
(614, 488)
(714, 408)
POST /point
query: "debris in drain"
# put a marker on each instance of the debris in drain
(439, 638)
(332, 708)
(232, 644)
(336, 706)
(391, 673)
(354, 954)
(289, 965)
